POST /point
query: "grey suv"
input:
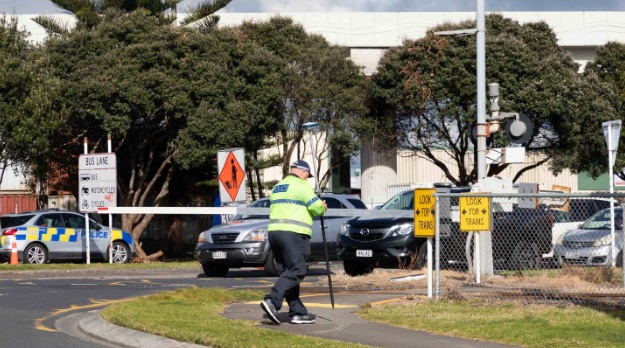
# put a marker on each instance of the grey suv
(242, 242)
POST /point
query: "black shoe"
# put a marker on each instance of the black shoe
(303, 319)
(270, 309)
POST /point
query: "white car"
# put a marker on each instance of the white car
(591, 243)
(46, 235)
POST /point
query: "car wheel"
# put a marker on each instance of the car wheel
(121, 253)
(525, 256)
(270, 265)
(35, 254)
(211, 270)
(355, 268)
(619, 259)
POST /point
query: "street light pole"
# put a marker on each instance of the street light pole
(481, 91)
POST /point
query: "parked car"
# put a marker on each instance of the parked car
(49, 235)
(520, 238)
(242, 242)
(366, 243)
(591, 243)
(523, 238)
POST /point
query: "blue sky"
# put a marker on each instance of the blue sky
(47, 7)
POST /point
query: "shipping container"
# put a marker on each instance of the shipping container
(15, 203)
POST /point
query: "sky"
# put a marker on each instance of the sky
(284, 6)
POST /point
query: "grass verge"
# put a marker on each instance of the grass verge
(193, 315)
(102, 265)
(518, 324)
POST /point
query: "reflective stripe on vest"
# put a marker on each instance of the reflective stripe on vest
(292, 222)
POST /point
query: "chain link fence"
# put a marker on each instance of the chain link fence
(564, 248)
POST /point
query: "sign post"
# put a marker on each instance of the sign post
(97, 186)
(612, 132)
(424, 223)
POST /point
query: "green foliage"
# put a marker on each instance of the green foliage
(149, 86)
(609, 67)
(90, 13)
(317, 82)
(26, 96)
(425, 92)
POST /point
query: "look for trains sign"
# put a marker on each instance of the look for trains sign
(424, 203)
(474, 213)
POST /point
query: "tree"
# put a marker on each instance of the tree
(89, 13)
(149, 86)
(609, 67)
(318, 83)
(424, 95)
(27, 121)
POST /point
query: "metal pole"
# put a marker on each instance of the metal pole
(110, 215)
(87, 248)
(430, 263)
(611, 181)
(481, 92)
(437, 245)
(321, 220)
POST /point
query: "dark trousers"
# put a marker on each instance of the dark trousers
(290, 250)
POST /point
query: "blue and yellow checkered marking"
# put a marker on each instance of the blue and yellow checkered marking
(50, 234)
(123, 235)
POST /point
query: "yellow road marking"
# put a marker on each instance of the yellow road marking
(377, 303)
(97, 303)
(124, 282)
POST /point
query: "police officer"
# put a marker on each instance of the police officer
(293, 205)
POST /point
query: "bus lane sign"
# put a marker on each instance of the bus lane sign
(424, 215)
(474, 213)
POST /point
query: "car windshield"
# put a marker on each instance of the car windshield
(261, 203)
(601, 220)
(403, 201)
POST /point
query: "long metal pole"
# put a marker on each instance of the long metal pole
(322, 222)
(481, 91)
(611, 181)
(109, 148)
(87, 247)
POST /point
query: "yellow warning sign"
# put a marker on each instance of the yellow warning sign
(474, 213)
(424, 203)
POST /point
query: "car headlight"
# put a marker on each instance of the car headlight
(256, 236)
(401, 230)
(605, 240)
(204, 237)
(344, 229)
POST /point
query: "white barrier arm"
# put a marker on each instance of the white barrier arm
(251, 211)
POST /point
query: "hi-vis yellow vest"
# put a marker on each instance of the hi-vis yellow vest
(293, 205)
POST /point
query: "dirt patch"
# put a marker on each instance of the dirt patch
(587, 286)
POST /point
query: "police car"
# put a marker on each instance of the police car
(47, 235)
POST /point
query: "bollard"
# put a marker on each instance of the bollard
(14, 260)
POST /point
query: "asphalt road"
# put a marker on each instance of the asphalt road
(32, 303)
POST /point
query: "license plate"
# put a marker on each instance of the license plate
(364, 253)
(219, 254)
(571, 255)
